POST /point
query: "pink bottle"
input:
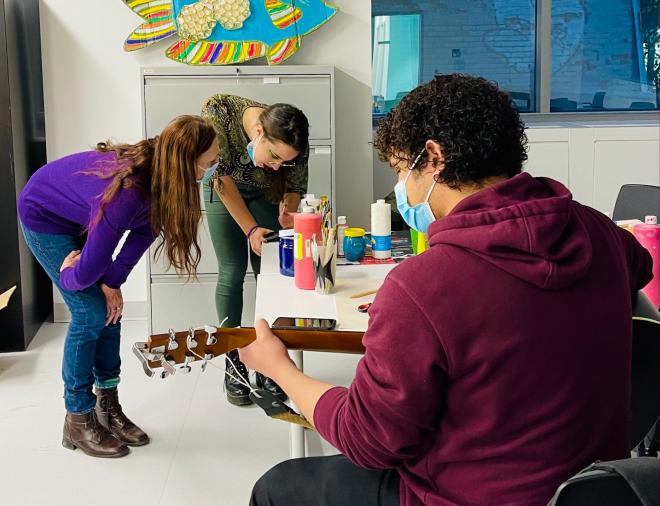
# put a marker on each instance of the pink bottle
(648, 235)
(306, 225)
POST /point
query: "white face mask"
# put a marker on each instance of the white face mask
(420, 216)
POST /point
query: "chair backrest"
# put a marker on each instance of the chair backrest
(642, 105)
(562, 104)
(645, 381)
(595, 488)
(598, 100)
(637, 201)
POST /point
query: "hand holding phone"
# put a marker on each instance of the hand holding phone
(272, 237)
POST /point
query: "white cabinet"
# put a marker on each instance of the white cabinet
(167, 92)
(595, 160)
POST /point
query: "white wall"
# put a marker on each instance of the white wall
(593, 159)
(91, 92)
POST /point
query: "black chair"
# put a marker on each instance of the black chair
(599, 485)
(595, 488)
(521, 99)
(645, 381)
(637, 201)
(562, 105)
(627, 482)
(642, 106)
(597, 102)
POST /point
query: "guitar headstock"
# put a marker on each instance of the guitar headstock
(174, 351)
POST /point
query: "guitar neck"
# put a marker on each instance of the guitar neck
(335, 341)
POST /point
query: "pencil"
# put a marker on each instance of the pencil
(363, 294)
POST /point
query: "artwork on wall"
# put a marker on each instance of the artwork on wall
(224, 32)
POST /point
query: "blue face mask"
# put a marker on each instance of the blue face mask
(250, 150)
(420, 216)
(208, 173)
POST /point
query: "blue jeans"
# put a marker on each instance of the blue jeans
(91, 349)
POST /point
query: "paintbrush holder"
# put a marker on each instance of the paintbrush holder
(325, 269)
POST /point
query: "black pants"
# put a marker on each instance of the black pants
(325, 481)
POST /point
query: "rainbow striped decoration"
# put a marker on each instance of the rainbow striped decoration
(215, 53)
(283, 15)
(282, 50)
(158, 26)
(273, 29)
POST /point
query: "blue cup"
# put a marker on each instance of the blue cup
(286, 252)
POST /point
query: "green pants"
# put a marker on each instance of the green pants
(232, 249)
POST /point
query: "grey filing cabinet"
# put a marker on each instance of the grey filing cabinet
(176, 302)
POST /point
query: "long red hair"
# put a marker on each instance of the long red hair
(164, 170)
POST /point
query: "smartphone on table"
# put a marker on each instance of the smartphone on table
(272, 237)
(293, 323)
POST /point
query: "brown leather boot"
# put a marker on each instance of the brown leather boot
(111, 416)
(85, 432)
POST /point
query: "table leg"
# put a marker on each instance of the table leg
(297, 432)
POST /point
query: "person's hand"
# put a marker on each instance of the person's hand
(257, 238)
(70, 260)
(114, 303)
(285, 218)
(267, 354)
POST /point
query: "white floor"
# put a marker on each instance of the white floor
(203, 451)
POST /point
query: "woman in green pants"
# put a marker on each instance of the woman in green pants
(261, 175)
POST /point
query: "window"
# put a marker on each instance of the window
(596, 55)
(395, 62)
(601, 57)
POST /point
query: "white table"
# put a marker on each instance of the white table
(278, 296)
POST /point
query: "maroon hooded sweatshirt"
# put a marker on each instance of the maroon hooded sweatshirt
(497, 363)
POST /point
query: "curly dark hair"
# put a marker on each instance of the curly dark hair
(476, 124)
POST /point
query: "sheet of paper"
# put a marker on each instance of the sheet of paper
(348, 317)
(5, 296)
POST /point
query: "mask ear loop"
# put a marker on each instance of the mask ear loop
(412, 165)
(428, 195)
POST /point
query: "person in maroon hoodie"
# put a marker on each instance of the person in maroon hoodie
(497, 363)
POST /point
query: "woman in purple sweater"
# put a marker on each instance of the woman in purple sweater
(74, 211)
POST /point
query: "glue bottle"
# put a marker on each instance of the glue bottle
(381, 230)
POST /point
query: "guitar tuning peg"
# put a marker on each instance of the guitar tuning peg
(207, 357)
(168, 367)
(191, 342)
(172, 344)
(184, 369)
(210, 338)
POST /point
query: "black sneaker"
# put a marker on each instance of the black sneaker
(238, 394)
(265, 383)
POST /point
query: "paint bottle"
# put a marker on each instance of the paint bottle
(648, 235)
(306, 227)
(381, 230)
(286, 252)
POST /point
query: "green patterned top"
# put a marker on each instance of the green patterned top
(226, 114)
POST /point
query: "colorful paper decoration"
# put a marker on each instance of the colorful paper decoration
(224, 32)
